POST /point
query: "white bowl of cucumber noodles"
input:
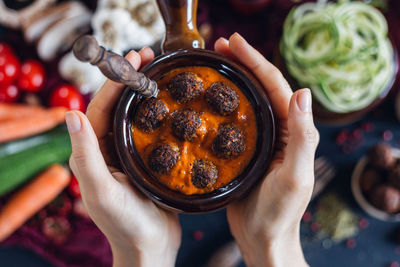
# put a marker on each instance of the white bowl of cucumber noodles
(341, 51)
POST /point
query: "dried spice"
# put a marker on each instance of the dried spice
(336, 218)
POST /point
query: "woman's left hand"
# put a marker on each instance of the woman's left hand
(140, 233)
(266, 224)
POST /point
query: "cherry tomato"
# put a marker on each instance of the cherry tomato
(32, 76)
(6, 49)
(67, 96)
(9, 93)
(10, 68)
(73, 187)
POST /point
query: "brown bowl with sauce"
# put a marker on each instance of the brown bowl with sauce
(194, 153)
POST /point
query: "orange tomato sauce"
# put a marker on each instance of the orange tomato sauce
(179, 178)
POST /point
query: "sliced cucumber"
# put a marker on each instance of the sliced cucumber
(340, 51)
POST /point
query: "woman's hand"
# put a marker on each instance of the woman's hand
(140, 234)
(266, 225)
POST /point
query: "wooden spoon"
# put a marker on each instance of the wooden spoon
(113, 66)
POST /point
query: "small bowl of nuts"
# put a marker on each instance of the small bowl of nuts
(376, 182)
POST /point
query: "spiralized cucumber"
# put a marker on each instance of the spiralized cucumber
(340, 51)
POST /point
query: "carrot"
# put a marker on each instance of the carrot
(31, 198)
(16, 111)
(31, 124)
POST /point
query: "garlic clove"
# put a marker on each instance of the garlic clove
(15, 18)
(87, 78)
(35, 26)
(61, 35)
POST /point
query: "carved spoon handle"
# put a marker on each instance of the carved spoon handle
(113, 66)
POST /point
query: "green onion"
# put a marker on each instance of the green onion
(340, 51)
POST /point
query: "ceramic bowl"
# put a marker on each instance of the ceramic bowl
(147, 183)
(360, 198)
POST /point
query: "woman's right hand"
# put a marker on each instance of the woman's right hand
(266, 225)
(139, 232)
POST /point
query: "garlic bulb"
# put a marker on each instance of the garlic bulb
(121, 25)
(109, 28)
(84, 76)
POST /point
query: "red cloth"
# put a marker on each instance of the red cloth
(87, 246)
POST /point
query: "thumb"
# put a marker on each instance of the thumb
(303, 139)
(86, 161)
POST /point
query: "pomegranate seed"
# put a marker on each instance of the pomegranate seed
(363, 223)
(341, 137)
(356, 134)
(307, 216)
(394, 264)
(387, 135)
(315, 227)
(198, 235)
(368, 126)
(351, 243)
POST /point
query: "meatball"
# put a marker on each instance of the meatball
(381, 156)
(230, 141)
(394, 177)
(163, 157)
(386, 198)
(185, 86)
(184, 124)
(222, 98)
(369, 180)
(204, 173)
(150, 114)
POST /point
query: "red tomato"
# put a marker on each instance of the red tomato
(10, 68)
(6, 49)
(67, 96)
(32, 76)
(9, 93)
(73, 187)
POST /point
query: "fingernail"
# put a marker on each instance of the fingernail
(73, 122)
(144, 48)
(130, 53)
(223, 39)
(237, 35)
(303, 100)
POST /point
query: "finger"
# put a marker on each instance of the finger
(222, 46)
(100, 108)
(86, 160)
(302, 142)
(146, 55)
(271, 78)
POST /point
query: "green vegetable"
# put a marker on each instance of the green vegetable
(340, 51)
(16, 146)
(22, 159)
